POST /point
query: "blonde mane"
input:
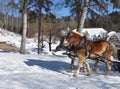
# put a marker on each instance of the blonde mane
(74, 31)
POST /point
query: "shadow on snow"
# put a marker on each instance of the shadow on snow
(57, 66)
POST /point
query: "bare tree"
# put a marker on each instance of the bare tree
(82, 20)
(51, 18)
(3, 12)
(23, 42)
(12, 8)
(39, 29)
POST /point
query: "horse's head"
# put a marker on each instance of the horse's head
(72, 38)
(61, 47)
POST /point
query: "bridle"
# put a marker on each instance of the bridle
(82, 43)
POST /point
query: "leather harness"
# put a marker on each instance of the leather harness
(79, 46)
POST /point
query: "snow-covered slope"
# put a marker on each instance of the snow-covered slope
(46, 71)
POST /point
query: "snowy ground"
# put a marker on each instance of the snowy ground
(46, 71)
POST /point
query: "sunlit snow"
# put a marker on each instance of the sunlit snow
(46, 71)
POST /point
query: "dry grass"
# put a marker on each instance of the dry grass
(7, 47)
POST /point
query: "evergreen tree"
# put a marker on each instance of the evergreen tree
(95, 8)
(38, 6)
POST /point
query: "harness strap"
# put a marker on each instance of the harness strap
(80, 44)
(83, 44)
(69, 54)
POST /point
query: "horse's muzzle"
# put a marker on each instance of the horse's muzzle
(65, 43)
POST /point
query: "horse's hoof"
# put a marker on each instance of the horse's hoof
(70, 71)
(75, 74)
(84, 70)
(97, 70)
(88, 74)
(106, 74)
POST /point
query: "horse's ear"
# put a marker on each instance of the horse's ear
(68, 29)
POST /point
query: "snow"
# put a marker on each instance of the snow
(94, 31)
(112, 33)
(46, 71)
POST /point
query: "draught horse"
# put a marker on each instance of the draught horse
(84, 48)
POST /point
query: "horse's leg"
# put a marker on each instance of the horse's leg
(109, 63)
(81, 60)
(71, 65)
(108, 66)
(87, 68)
(95, 66)
(84, 68)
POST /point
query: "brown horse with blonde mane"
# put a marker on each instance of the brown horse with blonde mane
(79, 45)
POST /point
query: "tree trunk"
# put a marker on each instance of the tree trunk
(6, 20)
(50, 33)
(78, 12)
(39, 30)
(23, 42)
(12, 20)
(50, 40)
(42, 40)
(82, 20)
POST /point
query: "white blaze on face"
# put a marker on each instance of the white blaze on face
(65, 42)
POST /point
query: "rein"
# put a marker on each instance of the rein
(82, 44)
